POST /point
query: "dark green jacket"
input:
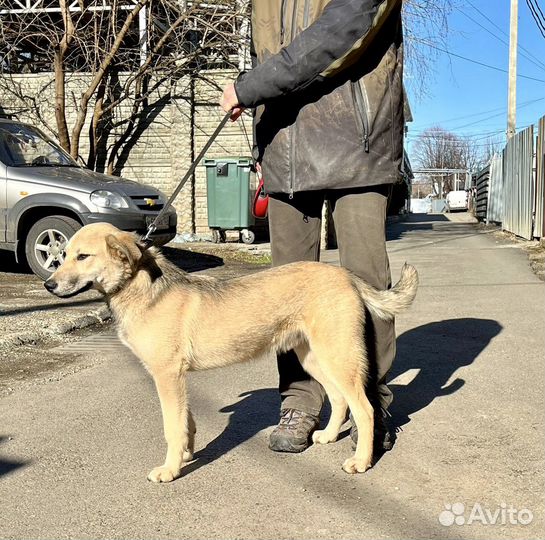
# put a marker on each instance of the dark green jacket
(328, 87)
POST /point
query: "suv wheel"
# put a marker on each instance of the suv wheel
(45, 243)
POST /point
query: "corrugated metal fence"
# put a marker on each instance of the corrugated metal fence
(518, 183)
(511, 190)
(495, 190)
(481, 195)
(539, 221)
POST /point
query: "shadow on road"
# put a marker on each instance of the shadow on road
(257, 410)
(9, 265)
(191, 261)
(7, 466)
(188, 261)
(47, 307)
(413, 222)
(437, 350)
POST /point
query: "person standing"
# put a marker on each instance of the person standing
(328, 92)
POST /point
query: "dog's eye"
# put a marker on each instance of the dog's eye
(82, 256)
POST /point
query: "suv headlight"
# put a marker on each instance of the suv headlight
(108, 199)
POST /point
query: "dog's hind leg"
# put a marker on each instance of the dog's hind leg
(342, 367)
(362, 413)
(337, 401)
(191, 430)
(178, 423)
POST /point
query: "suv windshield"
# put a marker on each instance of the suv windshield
(24, 146)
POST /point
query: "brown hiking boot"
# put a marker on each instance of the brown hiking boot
(384, 436)
(292, 434)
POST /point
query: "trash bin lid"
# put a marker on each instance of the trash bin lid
(240, 161)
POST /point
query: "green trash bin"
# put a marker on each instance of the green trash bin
(229, 197)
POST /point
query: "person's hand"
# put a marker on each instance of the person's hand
(229, 102)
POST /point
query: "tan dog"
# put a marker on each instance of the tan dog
(175, 323)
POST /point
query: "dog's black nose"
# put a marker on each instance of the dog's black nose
(50, 285)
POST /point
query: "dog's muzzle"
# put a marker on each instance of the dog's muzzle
(50, 285)
(53, 287)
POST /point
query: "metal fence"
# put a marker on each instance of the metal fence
(494, 210)
(511, 189)
(480, 182)
(539, 219)
(518, 183)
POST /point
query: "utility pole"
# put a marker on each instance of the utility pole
(512, 88)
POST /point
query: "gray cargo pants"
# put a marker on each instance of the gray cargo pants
(295, 226)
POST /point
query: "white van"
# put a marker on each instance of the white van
(456, 200)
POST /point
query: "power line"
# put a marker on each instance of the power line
(473, 115)
(521, 106)
(537, 13)
(466, 144)
(502, 31)
(477, 61)
(475, 135)
(539, 23)
(536, 63)
(448, 136)
(432, 131)
(539, 9)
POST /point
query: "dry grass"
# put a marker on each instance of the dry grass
(535, 249)
(231, 252)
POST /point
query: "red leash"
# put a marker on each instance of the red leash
(261, 199)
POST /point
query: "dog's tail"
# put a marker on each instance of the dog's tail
(387, 304)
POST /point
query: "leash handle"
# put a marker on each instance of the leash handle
(153, 226)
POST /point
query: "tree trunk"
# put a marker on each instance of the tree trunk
(60, 101)
(94, 135)
(99, 75)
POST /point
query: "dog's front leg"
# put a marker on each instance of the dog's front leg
(178, 424)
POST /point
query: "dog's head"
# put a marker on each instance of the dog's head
(98, 256)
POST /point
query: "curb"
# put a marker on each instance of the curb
(99, 316)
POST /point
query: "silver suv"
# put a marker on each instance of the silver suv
(46, 196)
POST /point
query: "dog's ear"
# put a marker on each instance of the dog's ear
(124, 248)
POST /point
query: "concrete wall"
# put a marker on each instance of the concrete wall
(161, 153)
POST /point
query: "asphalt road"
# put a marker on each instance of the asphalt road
(468, 383)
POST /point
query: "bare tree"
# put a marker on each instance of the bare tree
(491, 146)
(126, 55)
(437, 148)
(426, 32)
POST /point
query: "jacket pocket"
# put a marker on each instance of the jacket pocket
(361, 106)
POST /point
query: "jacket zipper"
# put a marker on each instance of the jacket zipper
(291, 128)
(360, 101)
(291, 158)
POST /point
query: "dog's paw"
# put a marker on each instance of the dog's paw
(353, 465)
(187, 456)
(162, 474)
(321, 436)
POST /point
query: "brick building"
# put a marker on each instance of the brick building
(170, 137)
